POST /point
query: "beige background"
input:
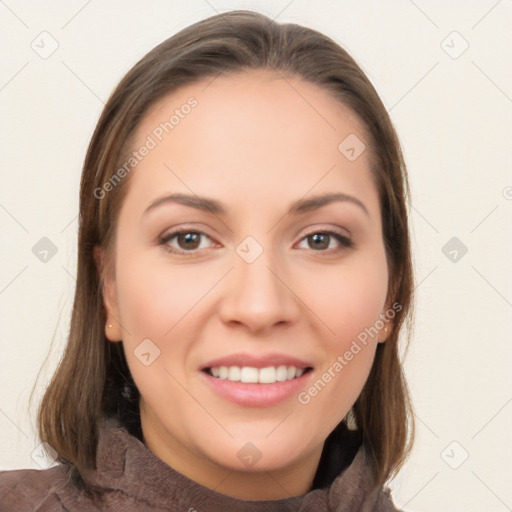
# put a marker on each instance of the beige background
(452, 108)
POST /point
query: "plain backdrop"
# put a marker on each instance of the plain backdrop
(443, 70)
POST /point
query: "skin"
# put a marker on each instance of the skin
(256, 143)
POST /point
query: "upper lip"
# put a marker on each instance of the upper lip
(256, 361)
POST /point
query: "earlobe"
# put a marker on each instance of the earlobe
(113, 331)
(112, 327)
(387, 319)
(385, 332)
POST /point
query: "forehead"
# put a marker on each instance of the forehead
(253, 132)
(257, 102)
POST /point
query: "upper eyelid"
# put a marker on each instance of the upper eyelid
(175, 232)
(186, 229)
(335, 229)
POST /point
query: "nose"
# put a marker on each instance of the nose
(258, 296)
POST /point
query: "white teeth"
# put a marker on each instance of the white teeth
(281, 373)
(234, 373)
(248, 374)
(267, 375)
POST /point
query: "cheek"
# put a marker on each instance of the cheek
(155, 303)
(349, 299)
(162, 303)
(154, 296)
(348, 353)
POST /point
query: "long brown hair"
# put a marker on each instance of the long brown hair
(92, 381)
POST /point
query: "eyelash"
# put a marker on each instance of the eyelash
(345, 242)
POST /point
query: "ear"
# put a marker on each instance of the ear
(387, 328)
(109, 296)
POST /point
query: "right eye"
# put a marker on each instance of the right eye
(186, 241)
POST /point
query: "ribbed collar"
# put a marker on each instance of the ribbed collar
(124, 463)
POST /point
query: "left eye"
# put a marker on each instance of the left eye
(321, 240)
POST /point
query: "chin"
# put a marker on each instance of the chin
(258, 454)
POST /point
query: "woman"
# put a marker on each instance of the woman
(244, 272)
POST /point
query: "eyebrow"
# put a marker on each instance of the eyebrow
(214, 206)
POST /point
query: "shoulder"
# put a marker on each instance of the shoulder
(25, 490)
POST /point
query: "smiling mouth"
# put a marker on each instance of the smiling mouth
(252, 375)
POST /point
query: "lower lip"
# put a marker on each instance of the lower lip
(257, 395)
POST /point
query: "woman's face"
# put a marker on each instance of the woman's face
(259, 277)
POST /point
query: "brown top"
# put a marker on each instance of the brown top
(129, 477)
